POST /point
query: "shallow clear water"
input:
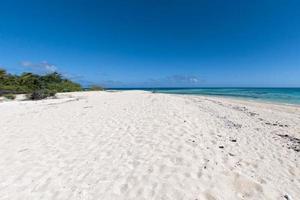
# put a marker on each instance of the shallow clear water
(280, 95)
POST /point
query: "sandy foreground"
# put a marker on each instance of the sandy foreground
(139, 145)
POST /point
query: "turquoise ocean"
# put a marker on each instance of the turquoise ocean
(277, 95)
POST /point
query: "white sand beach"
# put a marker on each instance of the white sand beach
(140, 145)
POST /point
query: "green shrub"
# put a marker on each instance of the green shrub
(36, 85)
(41, 94)
(10, 96)
(64, 86)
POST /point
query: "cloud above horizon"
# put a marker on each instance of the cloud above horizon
(44, 67)
(169, 81)
(40, 68)
(182, 79)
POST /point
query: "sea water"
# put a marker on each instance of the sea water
(279, 95)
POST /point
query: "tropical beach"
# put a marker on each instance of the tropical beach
(149, 100)
(141, 145)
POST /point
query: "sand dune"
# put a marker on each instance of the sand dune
(139, 145)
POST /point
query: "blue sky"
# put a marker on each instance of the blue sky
(155, 43)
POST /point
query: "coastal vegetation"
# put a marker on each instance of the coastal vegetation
(35, 86)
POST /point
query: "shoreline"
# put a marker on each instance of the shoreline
(289, 96)
(143, 145)
(257, 100)
(21, 97)
(238, 99)
(241, 99)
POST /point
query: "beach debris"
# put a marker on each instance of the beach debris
(231, 124)
(287, 197)
(233, 140)
(276, 124)
(252, 114)
(239, 108)
(245, 110)
(231, 154)
(292, 142)
(221, 147)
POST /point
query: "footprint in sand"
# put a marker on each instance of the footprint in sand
(246, 188)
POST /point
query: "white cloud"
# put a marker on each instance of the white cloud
(169, 81)
(182, 79)
(41, 67)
